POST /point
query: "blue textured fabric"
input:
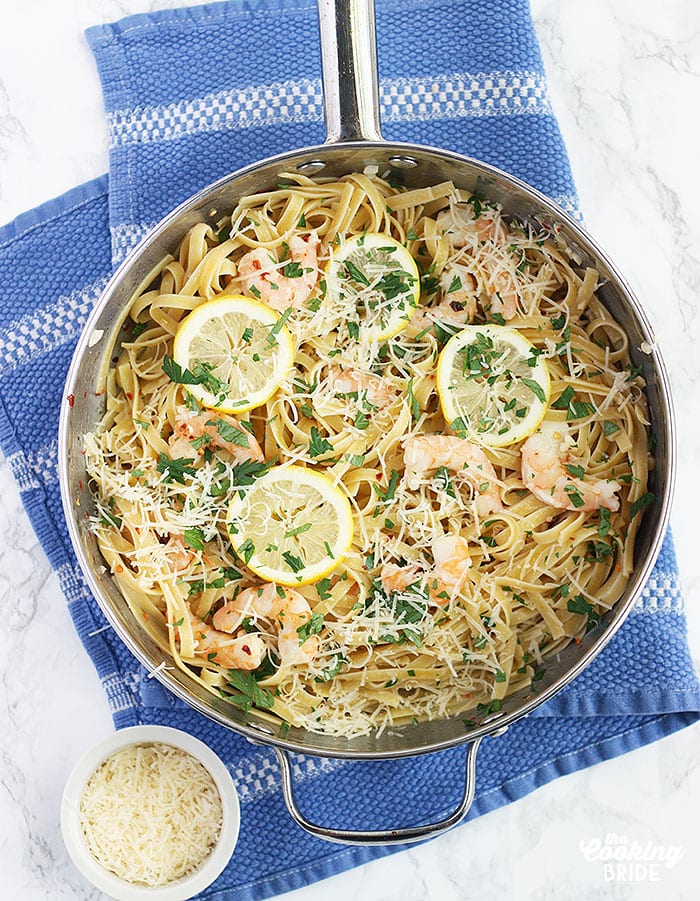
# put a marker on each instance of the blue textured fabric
(191, 95)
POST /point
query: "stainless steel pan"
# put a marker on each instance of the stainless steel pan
(354, 141)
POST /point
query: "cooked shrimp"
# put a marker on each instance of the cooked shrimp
(457, 307)
(500, 295)
(503, 294)
(287, 607)
(427, 453)
(376, 390)
(543, 464)
(463, 228)
(458, 288)
(265, 278)
(178, 555)
(452, 560)
(190, 425)
(397, 578)
(242, 652)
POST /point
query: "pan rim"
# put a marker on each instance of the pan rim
(252, 731)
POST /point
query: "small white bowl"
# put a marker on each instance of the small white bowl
(108, 882)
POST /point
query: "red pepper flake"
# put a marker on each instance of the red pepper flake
(129, 395)
(80, 485)
(71, 399)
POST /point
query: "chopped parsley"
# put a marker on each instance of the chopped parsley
(293, 562)
(574, 496)
(442, 477)
(175, 470)
(493, 707)
(318, 445)
(299, 530)
(194, 538)
(246, 551)
(356, 274)
(536, 389)
(335, 664)
(278, 326)
(413, 401)
(564, 399)
(230, 433)
(578, 604)
(558, 322)
(312, 627)
(361, 420)
(323, 589)
(641, 503)
(201, 374)
(603, 522)
(247, 691)
(599, 551)
(292, 270)
(110, 519)
(479, 204)
(246, 472)
(455, 285)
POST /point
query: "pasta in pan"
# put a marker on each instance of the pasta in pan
(369, 454)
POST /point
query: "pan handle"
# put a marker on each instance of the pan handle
(381, 836)
(349, 61)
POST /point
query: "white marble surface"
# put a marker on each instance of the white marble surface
(625, 81)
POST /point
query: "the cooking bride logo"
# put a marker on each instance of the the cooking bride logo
(623, 860)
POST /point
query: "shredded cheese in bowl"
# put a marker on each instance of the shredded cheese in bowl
(150, 813)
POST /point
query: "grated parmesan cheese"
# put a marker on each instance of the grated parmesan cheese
(151, 814)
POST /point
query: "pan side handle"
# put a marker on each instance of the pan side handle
(381, 836)
(349, 61)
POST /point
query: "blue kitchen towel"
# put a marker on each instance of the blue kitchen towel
(191, 95)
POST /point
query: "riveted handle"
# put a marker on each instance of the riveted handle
(350, 79)
(381, 836)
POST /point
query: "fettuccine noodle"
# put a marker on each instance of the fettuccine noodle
(538, 575)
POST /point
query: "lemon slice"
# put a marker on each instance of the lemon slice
(376, 280)
(293, 526)
(493, 384)
(236, 351)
